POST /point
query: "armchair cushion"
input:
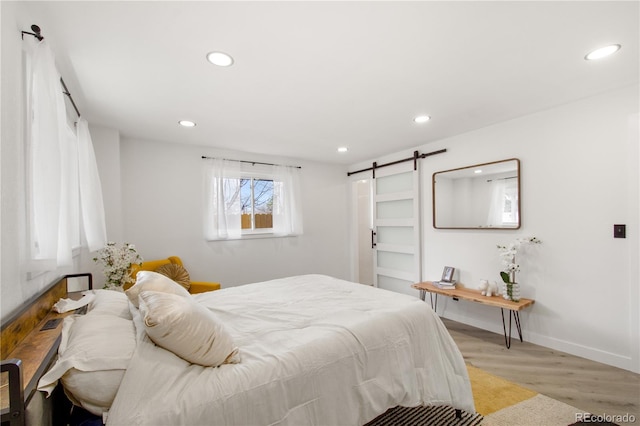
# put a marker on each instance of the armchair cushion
(177, 273)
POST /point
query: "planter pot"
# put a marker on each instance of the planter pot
(512, 292)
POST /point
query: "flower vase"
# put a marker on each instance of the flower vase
(512, 292)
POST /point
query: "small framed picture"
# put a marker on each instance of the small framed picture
(447, 274)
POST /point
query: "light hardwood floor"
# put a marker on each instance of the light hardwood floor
(590, 386)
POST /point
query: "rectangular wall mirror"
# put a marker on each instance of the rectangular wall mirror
(482, 196)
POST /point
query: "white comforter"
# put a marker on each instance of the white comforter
(315, 351)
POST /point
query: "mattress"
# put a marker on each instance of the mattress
(314, 350)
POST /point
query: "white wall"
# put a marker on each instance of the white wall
(579, 177)
(162, 205)
(106, 144)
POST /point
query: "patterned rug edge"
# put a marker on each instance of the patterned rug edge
(432, 415)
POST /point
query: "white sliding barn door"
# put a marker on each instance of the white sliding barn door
(396, 209)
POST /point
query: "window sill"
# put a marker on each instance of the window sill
(254, 237)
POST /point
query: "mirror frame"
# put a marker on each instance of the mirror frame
(500, 228)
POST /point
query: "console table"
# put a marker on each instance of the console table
(462, 293)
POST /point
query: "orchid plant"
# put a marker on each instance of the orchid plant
(116, 261)
(508, 257)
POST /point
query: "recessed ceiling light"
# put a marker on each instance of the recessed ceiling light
(220, 59)
(422, 119)
(603, 52)
(477, 171)
(186, 123)
(343, 149)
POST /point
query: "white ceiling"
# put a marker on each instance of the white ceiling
(312, 76)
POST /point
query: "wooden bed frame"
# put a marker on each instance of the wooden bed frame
(29, 343)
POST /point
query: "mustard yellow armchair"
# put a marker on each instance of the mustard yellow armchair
(152, 265)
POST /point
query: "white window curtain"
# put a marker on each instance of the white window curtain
(49, 156)
(503, 207)
(222, 211)
(91, 201)
(70, 236)
(62, 166)
(287, 215)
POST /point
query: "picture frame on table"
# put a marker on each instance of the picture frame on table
(447, 274)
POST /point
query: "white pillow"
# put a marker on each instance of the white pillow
(93, 355)
(149, 280)
(92, 390)
(110, 302)
(186, 328)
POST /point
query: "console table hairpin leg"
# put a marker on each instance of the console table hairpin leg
(423, 296)
(516, 317)
(456, 295)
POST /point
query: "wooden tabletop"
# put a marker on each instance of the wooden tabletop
(474, 296)
(36, 351)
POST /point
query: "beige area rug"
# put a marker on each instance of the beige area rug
(492, 393)
(537, 411)
(504, 403)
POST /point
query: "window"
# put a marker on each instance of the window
(256, 196)
(503, 208)
(510, 204)
(244, 200)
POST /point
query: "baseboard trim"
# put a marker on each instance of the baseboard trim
(593, 354)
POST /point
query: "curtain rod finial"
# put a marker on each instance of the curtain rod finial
(36, 30)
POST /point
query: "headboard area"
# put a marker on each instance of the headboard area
(30, 339)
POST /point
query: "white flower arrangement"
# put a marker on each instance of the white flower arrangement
(508, 257)
(117, 260)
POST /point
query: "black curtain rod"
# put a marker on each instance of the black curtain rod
(415, 157)
(37, 34)
(251, 162)
(66, 92)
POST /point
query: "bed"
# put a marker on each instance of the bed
(307, 350)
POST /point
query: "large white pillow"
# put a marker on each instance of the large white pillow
(92, 390)
(149, 280)
(110, 302)
(93, 355)
(186, 328)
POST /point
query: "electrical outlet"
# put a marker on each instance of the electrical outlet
(619, 231)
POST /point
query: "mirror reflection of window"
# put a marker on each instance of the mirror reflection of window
(510, 213)
(503, 208)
